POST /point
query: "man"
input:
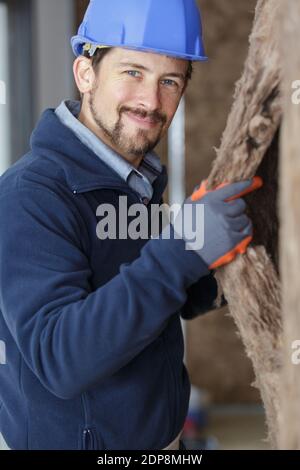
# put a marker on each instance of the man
(92, 347)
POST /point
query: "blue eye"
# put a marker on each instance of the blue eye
(169, 82)
(132, 72)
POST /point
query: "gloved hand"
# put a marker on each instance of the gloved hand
(220, 216)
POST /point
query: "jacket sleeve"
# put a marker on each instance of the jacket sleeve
(70, 336)
(201, 298)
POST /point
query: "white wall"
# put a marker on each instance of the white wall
(53, 26)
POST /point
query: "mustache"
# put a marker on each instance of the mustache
(155, 116)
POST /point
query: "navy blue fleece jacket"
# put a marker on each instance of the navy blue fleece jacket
(92, 347)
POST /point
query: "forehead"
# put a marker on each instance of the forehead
(154, 62)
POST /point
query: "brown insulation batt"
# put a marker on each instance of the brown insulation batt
(289, 223)
(249, 146)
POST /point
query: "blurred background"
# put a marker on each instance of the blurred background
(36, 73)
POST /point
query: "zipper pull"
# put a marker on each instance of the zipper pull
(86, 438)
(89, 439)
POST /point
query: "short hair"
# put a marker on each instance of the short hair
(97, 56)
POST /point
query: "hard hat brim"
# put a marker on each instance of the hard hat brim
(78, 41)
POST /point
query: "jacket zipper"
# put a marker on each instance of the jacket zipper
(88, 439)
(88, 435)
(121, 187)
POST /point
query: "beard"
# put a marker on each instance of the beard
(139, 144)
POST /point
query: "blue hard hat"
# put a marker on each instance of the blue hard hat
(169, 27)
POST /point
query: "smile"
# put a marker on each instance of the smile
(145, 122)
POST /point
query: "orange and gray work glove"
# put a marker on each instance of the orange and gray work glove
(226, 229)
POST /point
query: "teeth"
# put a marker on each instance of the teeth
(142, 119)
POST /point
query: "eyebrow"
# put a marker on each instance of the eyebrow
(142, 67)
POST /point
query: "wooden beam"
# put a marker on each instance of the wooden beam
(290, 220)
(249, 146)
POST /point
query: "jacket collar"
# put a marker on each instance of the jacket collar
(83, 170)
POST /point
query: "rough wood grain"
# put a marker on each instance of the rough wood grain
(250, 146)
(289, 218)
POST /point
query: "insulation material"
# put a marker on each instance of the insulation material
(250, 146)
(215, 354)
(290, 233)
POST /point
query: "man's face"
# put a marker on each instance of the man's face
(134, 99)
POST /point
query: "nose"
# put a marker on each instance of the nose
(149, 96)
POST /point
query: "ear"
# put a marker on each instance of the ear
(83, 74)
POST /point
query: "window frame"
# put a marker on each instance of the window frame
(20, 87)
